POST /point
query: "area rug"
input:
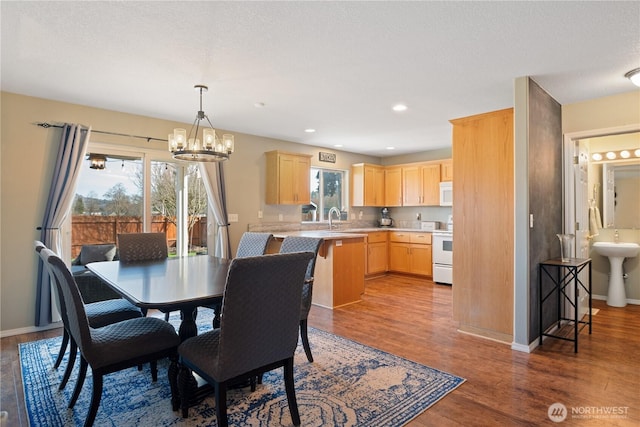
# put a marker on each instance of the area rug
(348, 384)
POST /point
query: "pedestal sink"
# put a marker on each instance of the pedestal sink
(616, 252)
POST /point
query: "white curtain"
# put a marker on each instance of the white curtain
(213, 179)
(73, 146)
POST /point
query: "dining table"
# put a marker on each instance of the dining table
(172, 284)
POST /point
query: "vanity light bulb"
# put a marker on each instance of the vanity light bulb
(596, 156)
(637, 152)
(611, 155)
(625, 154)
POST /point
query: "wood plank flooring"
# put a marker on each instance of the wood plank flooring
(411, 318)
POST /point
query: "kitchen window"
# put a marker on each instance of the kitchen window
(327, 190)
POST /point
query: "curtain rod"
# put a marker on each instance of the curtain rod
(148, 138)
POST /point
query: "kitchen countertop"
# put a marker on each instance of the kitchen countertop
(347, 233)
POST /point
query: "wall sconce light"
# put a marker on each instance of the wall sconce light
(634, 76)
(97, 161)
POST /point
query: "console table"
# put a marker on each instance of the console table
(563, 275)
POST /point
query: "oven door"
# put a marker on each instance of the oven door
(442, 249)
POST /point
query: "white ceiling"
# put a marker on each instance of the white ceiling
(337, 67)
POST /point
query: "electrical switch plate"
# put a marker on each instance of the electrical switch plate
(260, 214)
(338, 243)
(233, 217)
(530, 220)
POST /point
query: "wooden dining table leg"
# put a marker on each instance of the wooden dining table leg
(188, 327)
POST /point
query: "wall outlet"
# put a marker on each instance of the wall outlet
(280, 217)
(233, 217)
(259, 214)
(419, 216)
(360, 214)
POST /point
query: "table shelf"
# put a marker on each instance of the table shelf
(563, 274)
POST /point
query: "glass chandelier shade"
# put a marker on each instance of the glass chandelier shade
(190, 148)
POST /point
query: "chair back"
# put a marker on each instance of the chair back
(253, 244)
(77, 322)
(135, 247)
(39, 246)
(292, 244)
(260, 312)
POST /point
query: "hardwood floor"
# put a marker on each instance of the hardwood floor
(411, 318)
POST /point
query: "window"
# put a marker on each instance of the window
(139, 192)
(327, 191)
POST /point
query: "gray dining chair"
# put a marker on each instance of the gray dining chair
(99, 314)
(137, 247)
(304, 244)
(258, 330)
(253, 244)
(140, 247)
(113, 347)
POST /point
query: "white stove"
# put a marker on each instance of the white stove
(442, 241)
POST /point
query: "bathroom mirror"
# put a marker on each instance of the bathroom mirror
(613, 178)
(621, 195)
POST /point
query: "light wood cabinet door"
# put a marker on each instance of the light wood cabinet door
(430, 185)
(420, 260)
(376, 258)
(393, 187)
(399, 257)
(421, 185)
(446, 170)
(367, 185)
(288, 178)
(411, 185)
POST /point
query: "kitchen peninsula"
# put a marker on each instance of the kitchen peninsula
(340, 267)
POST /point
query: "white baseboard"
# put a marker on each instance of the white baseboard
(29, 329)
(604, 298)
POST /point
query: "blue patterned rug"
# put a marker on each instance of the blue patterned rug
(348, 384)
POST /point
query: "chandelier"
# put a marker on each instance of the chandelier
(191, 148)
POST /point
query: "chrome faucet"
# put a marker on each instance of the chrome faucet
(331, 211)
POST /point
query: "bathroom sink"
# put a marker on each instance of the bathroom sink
(616, 252)
(611, 249)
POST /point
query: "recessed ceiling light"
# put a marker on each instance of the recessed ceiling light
(337, 145)
(309, 130)
(391, 148)
(259, 105)
(399, 107)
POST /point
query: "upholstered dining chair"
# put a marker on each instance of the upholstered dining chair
(139, 247)
(113, 347)
(304, 244)
(258, 330)
(253, 244)
(99, 314)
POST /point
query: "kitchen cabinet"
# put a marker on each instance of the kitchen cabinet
(410, 252)
(376, 253)
(287, 178)
(421, 184)
(393, 186)
(367, 185)
(446, 170)
(483, 196)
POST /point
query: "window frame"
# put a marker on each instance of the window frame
(148, 155)
(345, 191)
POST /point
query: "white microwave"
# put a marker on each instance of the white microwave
(446, 193)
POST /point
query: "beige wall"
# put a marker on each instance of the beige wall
(25, 183)
(602, 113)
